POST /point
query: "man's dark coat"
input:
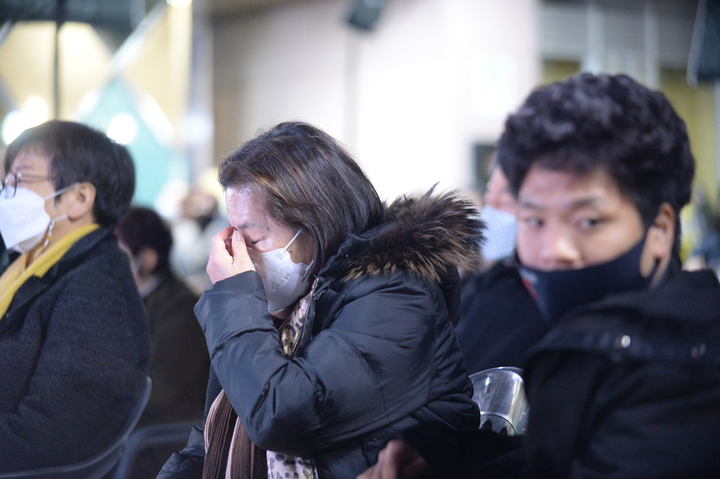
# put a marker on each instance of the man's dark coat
(499, 321)
(630, 386)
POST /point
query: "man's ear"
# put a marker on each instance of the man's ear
(84, 201)
(660, 239)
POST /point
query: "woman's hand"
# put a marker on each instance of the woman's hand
(228, 255)
(397, 460)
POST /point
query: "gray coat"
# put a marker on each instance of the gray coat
(74, 349)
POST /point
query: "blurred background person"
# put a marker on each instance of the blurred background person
(179, 363)
(199, 221)
(74, 342)
(499, 321)
(707, 254)
(498, 214)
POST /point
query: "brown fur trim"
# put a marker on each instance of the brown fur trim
(425, 236)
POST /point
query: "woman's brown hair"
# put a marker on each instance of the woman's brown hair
(308, 181)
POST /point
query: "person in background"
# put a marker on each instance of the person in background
(707, 254)
(330, 322)
(499, 321)
(193, 232)
(74, 341)
(179, 363)
(4, 255)
(498, 214)
(626, 384)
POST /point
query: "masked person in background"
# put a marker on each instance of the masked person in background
(330, 321)
(179, 363)
(499, 321)
(498, 213)
(74, 343)
(626, 384)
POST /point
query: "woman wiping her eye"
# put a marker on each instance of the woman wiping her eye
(330, 321)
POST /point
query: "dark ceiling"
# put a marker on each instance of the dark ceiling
(114, 14)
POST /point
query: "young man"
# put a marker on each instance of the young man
(626, 383)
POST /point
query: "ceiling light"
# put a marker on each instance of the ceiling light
(122, 129)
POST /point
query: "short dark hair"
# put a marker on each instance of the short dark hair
(77, 154)
(308, 181)
(144, 228)
(610, 122)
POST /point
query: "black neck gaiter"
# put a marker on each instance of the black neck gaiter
(557, 292)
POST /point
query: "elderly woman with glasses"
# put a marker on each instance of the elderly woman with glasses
(330, 321)
(74, 340)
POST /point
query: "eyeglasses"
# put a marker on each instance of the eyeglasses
(10, 183)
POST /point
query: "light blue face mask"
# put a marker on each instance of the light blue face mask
(500, 231)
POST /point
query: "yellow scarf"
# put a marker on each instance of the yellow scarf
(16, 274)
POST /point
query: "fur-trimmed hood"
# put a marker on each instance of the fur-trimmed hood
(424, 235)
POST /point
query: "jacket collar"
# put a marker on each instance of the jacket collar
(35, 286)
(426, 236)
(78, 251)
(685, 297)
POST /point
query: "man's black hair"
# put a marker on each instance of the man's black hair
(144, 228)
(609, 122)
(78, 154)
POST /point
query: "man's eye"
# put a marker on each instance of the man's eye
(533, 222)
(587, 223)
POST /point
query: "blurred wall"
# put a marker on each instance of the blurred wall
(143, 79)
(409, 99)
(647, 39)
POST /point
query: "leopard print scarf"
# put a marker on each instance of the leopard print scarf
(282, 466)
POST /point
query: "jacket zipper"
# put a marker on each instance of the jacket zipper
(315, 473)
(304, 325)
(294, 350)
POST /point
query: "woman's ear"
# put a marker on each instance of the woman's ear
(84, 202)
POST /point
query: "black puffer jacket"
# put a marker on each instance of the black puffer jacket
(623, 388)
(378, 352)
(629, 387)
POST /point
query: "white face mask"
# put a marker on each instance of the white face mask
(500, 233)
(23, 219)
(284, 281)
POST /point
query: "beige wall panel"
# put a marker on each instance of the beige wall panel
(279, 64)
(409, 99)
(697, 108)
(27, 62)
(84, 65)
(162, 66)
